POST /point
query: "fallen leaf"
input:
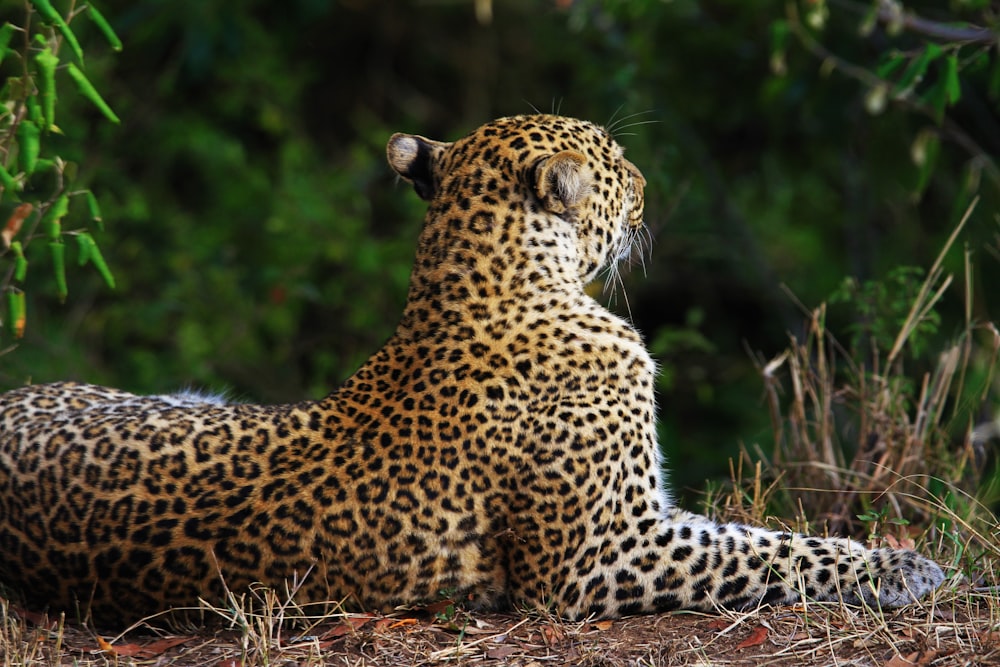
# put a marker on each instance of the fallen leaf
(160, 646)
(41, 620)
(899, 661)
(756, 638)
(231, 662)
(942, 614)
(719, 624)
(148, 650)
(989, 637)
(501, 652)
(603, 625)
(126, 650)
(347, 626)
(439, 607)
(552, 635)
(393, 623)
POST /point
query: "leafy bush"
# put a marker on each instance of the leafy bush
(39, 199)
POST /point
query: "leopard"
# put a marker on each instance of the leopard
(501, 447)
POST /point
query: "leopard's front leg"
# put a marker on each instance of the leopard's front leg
(702, 565)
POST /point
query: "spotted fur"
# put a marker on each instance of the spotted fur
(501, 445)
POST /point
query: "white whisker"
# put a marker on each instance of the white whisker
(618, 131)
(611, 121)
(630, 249)
(615, 128)
(628, 306)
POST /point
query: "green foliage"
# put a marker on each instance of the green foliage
(882, 307)
(878, 519)
(671, 342)
(260, 243)
(922, 65)
(37, 183)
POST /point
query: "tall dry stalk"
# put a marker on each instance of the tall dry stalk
(849, 440)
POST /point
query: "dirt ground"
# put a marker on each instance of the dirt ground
(962, 633)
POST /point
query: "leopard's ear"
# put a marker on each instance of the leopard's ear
(414, 158)
(562, 181)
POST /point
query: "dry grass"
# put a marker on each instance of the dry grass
(856, 450)
(956, 627)
(856, 447)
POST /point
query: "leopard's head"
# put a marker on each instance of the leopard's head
(558, 192)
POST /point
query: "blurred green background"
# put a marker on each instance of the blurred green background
(261, 245)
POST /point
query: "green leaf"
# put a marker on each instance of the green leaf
(94, 208)
(20, 262)
(87, 90)
(892, 62)
(50, 15)
(917, 68)
(105, 27)
(52, 222)
(102, 267)
(8, 182)
(779, 35)
(17, 310)
(47, 62)
(34, 111)
(953, 86)
(6, 32)
(90, 252)
(84, 243)
(946, 91)
(58, 251)
(46, 164)
(29, 141)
